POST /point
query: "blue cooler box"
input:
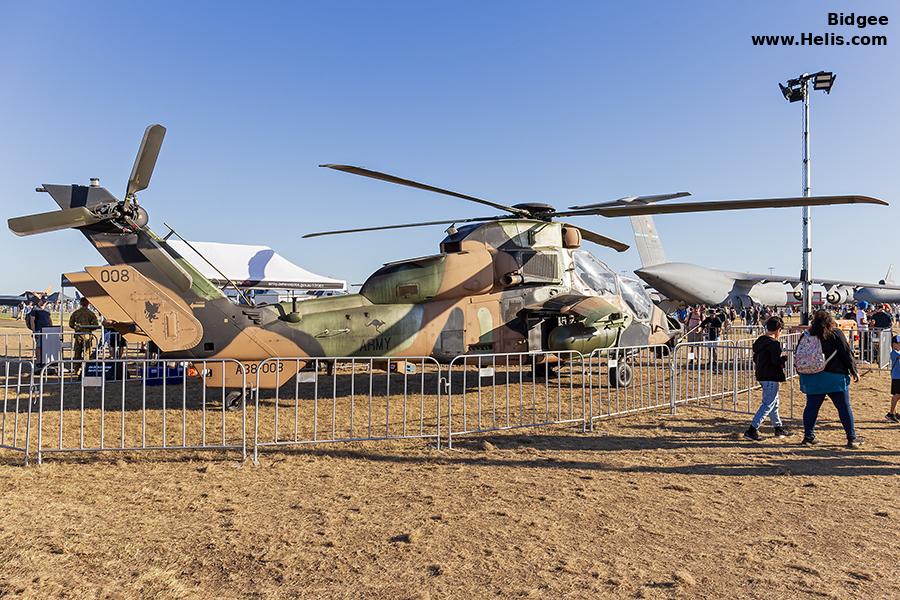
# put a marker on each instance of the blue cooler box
(155, 373)
(110, 371)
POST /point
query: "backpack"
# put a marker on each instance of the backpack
(809, 358)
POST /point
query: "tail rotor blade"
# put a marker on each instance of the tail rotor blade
(52, 221)
(145, 160)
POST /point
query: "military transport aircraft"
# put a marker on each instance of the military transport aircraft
(515, 282)
(696, 284)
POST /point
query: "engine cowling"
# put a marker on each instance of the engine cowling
(839, 295)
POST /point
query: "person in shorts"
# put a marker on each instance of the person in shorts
(895, 379)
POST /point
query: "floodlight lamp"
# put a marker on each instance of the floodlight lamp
(824, 80)
(791, 93)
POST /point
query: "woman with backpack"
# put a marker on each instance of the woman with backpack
(692, 325)
(825, 364)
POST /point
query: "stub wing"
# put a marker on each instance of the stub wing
(590, 309)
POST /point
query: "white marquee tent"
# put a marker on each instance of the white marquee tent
(256, 267)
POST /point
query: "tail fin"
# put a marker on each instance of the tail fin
(647, 241)
(889, 276)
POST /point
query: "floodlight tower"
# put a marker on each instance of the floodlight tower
(795, 91)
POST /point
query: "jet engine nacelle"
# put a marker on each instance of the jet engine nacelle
(839, 295)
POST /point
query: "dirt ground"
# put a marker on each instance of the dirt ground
(648, 506)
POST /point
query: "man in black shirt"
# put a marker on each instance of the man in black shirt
(38, 319)
(713, 324)
(882, 319)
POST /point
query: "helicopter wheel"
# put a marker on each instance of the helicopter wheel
(234, 400)
(621, 375)
(543, 371)
(663, 351)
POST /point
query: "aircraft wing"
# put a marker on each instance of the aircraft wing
(788, 280)
(11, 300)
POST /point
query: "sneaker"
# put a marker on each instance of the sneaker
(809, 441)
(855, 442)
(781, 432)
(752, 434)
(893, 417)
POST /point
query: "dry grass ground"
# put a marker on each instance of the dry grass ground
(649, 506)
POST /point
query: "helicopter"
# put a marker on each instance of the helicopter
(515, 282)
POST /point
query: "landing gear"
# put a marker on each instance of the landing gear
(234, 400)
(665, 350)
(621, 375)
(543, 370)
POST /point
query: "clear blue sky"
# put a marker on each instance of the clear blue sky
(566, 103)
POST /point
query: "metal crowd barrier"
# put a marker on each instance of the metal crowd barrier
(18, 395)
(150, 404)
(873, 347)
(356, 399)
(745, 331)
(25, 345)
(129, 405)
(704, 371)
(525, 390)
(629, 380)
(721, 376)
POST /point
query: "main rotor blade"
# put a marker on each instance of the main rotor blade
(628, 210)
(601, 240)
(423, 186)
(636, 199)
(52, 221)
(404, 226)
(145, 160)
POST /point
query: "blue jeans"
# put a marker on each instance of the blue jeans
(769, 405)
(841, 401)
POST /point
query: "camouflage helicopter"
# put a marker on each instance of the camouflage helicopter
(516, 282)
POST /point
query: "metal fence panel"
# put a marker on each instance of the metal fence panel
(355, 399)
(629, 380)
(872, 347)
(151, 404)
(139, 404)
(25, 345)
(493, 392)
(17, 397)
(721, 375)
(885, 337)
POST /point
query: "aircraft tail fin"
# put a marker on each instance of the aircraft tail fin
(889, 276)
(647, 241)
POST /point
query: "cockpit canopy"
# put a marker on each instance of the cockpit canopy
(596, 276)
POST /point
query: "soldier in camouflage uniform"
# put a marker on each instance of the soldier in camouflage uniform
(83, 321)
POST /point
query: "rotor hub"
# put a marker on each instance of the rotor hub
(537, 209)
